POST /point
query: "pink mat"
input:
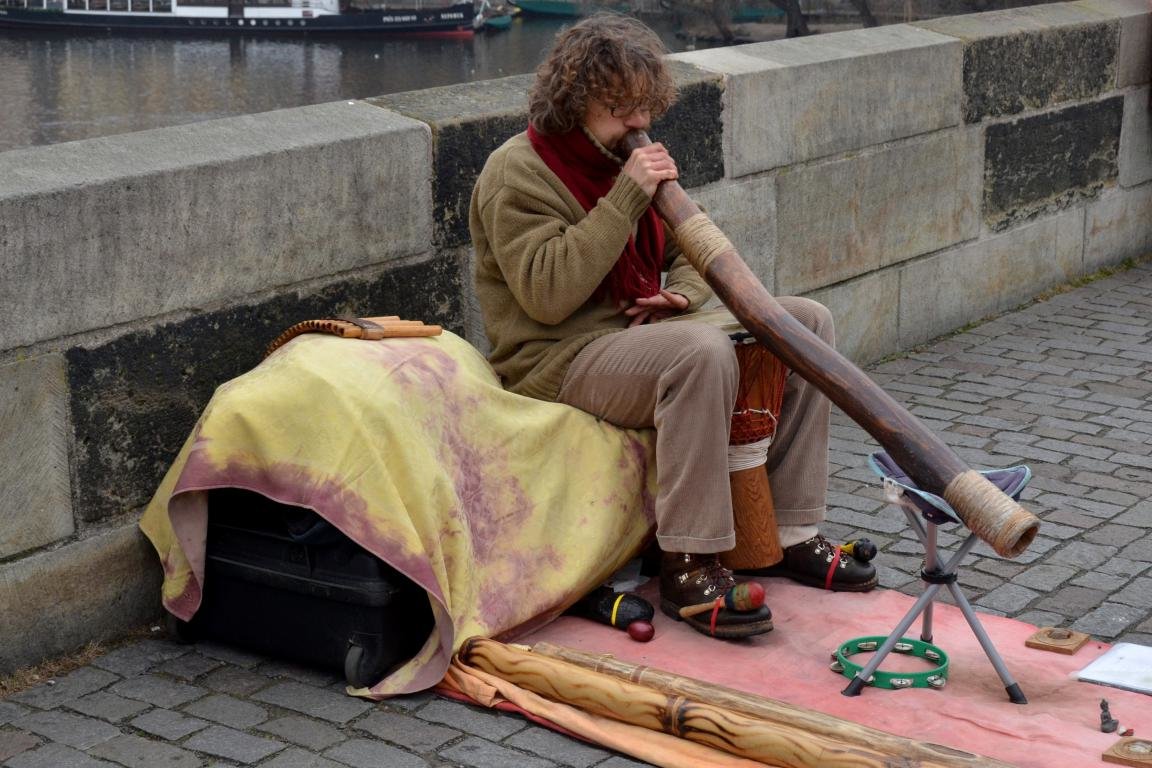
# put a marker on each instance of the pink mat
(1058, 728)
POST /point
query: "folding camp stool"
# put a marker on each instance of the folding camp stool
(917, 503)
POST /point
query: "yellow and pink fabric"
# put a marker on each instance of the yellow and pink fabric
(503, 508)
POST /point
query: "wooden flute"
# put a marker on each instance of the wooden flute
(932, 465)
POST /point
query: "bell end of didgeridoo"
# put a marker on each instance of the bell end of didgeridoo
(991, 514)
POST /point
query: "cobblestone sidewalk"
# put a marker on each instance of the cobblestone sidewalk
(1064, 385)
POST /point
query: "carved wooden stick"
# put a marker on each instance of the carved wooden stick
(705, 721)
(932, 465)
(913, 752)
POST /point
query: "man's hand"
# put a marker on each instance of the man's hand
(662, 305)
(650, 165)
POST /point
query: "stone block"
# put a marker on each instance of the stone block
(52, 605)
(1136, 138)
(365, 753)
(693, 129)
(1134, 61)
(947, 290)
(1050, 161)
(843, 218)
(135, 399)
(1119, 227)
(1031, 58)
(36, 506)
(109, 230)
(468, 121)
(745, 211)
(314, 702)
(866, 311)
(789, 101)
(135, 752)
(233, 745)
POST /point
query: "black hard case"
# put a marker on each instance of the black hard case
(283, 581)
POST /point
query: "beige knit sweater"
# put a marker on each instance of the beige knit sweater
(539, 259)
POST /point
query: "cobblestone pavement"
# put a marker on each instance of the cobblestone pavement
(1064, 385)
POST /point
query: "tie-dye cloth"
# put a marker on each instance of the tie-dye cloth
(503, 508)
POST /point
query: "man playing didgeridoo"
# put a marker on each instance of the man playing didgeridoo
(569, 257)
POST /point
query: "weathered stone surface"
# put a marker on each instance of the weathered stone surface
(35, 507)
(470, 120)
(949, 289)
(467, 121)
(841, 219)
(1031, 58)
(1118, 227)
(745, 211)
(233, 745)
(108, 230)
(66, 689)
(693, 130)
(135, 752)
(1048, 162)
(794, 100)
(51, 604)
(135, 399)
(1136, 138)
(1134, 62)
(315, 702)
(866, 314)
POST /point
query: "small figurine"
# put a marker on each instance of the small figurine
(1108, 724)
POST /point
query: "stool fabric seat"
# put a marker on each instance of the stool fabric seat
(1011, 480)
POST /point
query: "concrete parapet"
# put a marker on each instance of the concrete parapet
(788, 101)
(35, 508)
(745, 211)
(467, 122)
(847, 217)
(135, 398)
(866, 310)
(1119, 227)
(110, 230)
(1049, 161)
(1031, 58)
(1134, 60)
(946, 290)
(1136, 138)
(56, 601)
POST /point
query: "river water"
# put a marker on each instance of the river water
(57, 87)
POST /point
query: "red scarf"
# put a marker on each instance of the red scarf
(589, 175)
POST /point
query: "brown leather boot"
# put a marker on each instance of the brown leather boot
(690, 581)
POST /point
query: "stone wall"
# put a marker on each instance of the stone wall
(915, 178)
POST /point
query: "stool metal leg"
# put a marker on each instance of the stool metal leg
(1015, 695)
(936, 577)
(931, 562)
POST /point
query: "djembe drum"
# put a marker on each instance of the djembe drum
(754, 419)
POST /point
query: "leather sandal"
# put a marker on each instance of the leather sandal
(818, 562)
(690, 582)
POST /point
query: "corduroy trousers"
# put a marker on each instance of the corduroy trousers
(682, 378)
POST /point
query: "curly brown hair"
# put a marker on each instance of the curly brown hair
(606, 56)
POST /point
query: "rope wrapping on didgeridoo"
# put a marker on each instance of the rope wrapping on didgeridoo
(701, 241)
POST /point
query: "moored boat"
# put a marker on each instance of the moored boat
(243, 16)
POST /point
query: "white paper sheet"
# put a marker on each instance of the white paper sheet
(1125, 665)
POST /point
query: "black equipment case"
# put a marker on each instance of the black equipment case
(283, 581)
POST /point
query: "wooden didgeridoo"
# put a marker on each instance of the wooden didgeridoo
(704, 722)
(921, 753)
(933, 466)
